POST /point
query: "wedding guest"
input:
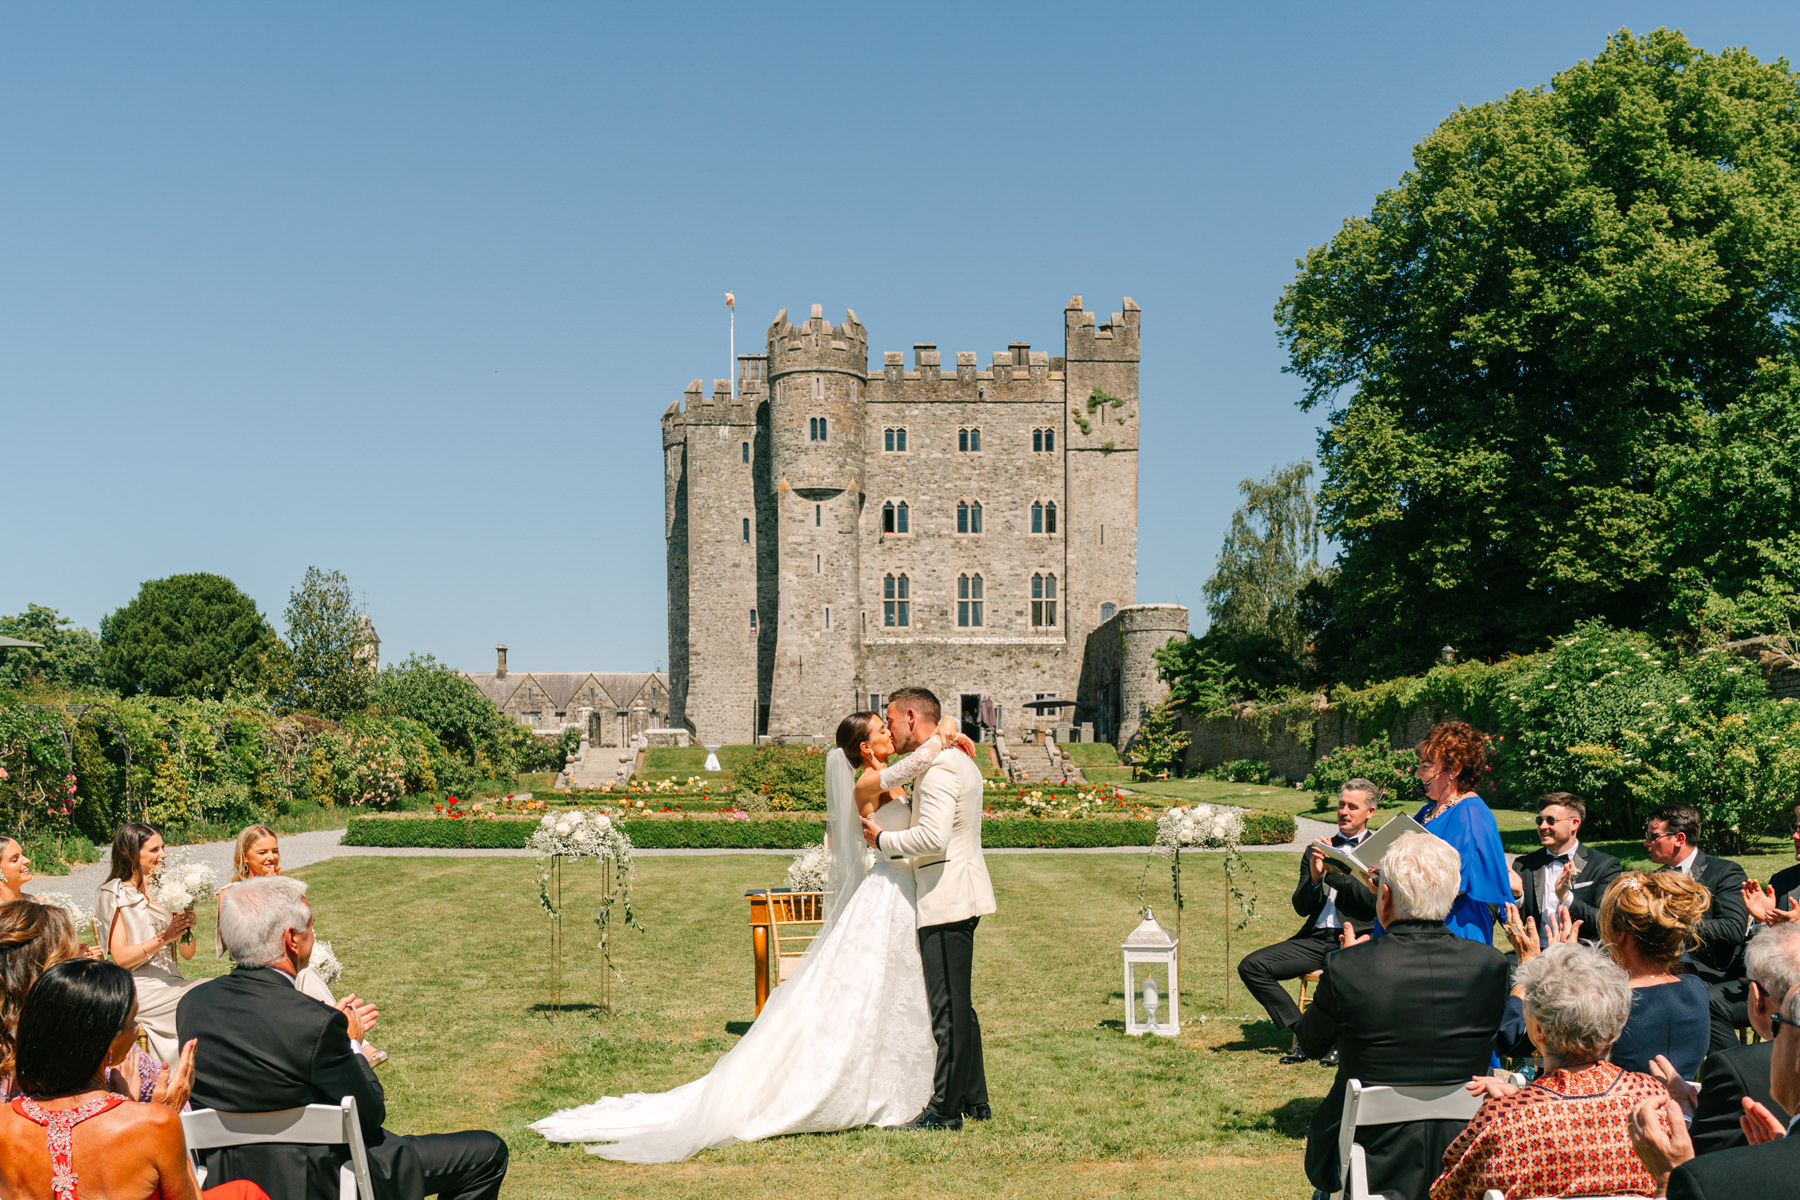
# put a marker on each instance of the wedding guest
(264, 1046)
(1778, 902)
(1326, 898)
(1415, 1006)
(1452, 759)
(1729, 1076)
(33, 937)
(1563, 1134)
(1765, 1168)
(15, 869)
(143, 936)
(1672, 839)
(67, 1128)
(1648, 922)
(1561, 872)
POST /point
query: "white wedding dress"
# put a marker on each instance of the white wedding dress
(845, 1041)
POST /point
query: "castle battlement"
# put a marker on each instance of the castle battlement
(1115, 341)
(817, 345)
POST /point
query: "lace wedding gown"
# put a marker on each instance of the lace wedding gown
(845, 1041)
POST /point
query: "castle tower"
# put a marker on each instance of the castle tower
(1100, 436)
(817, 373)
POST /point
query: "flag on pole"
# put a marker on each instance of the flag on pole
(730, 300)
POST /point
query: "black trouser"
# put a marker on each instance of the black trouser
(960, 1082)
(453, 1166)
(1265, 970)
(1729, 1002)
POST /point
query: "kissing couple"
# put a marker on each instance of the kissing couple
(875, 1024)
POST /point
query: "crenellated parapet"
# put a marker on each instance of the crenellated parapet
(1115, 341)
(818, 345)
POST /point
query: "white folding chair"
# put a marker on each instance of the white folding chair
(313, 1125)
(1370, 1104)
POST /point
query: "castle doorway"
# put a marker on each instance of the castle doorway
(971, 716)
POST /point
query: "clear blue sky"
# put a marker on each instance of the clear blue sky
(402, 289)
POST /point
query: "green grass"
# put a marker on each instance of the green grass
(678, 762)
(1090, 754)
(1244, 795)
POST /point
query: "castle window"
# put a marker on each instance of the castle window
(818, 564)
(746, 450)
(818, 514)
(894, 440)
(968, 601)
(1107, 610)
(815, 429)
(753, 620)
(1050, 516)
(746, 529)
(968, 516)
(828, 616)
(894, 517)
(1037, 517)
(1043, 601)
(1043, 440)
(968, 440)
(818, 386)
(896, 601)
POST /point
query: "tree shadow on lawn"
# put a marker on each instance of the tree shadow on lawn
(1260, 1035)
(582, 1007)
(1291, 1120)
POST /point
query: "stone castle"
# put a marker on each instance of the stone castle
(835, 533)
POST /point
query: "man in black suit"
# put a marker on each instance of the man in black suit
(1753, 1172)
(1772, 968)
(1562, 872)
(1327, 899)
(266, 1046)
(1672, 839)
(1416, 1006)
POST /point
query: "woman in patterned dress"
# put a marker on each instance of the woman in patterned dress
(1565, 1133)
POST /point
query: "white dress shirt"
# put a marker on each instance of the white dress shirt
(1328, 916)
(1553, 873)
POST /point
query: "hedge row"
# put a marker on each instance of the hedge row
(1260, 828)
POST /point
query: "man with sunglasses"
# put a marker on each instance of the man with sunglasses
(1671, 839)
(1561, 872)
(1772, 965)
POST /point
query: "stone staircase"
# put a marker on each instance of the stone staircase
(592, 766)
(1043, 763)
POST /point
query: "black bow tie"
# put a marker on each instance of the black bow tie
(1338, 839)
(1561, 858)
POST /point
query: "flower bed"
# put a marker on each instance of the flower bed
(738, 832)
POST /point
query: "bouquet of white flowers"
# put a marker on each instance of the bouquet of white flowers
(1218, 826)
(807, 872)
(326, 963)
(80, 917)
(575, 834)
(183, 883)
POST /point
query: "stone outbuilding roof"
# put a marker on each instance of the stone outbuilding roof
(569, 689)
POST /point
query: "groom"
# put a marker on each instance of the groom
(944, 844)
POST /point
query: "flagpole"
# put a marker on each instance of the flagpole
(731, 304)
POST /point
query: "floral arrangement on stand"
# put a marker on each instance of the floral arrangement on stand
(1204, 827)
(577, 835)
(181, 884)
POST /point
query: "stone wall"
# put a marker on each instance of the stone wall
(1119, 683)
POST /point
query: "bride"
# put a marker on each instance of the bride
(846, 1039)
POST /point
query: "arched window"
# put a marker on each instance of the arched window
(1107, 610)
(968, 601)
(818, 514)
(1037, 517)
(746, 529)
(815, 429)
(896, 601)
(1049, 440)
(753, 620)
(968, 516)
(1037, 440)
(1043, 601)
(746, 451)
(893, 517)
(894, 440)
(901, 527)
(968, 440)
(1050, 517)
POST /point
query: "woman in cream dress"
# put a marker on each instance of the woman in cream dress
(143, 936)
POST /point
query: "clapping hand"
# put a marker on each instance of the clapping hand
(1760, 1125)
(1349, 937)
(362, 1017)
(1761, 903)
(1558, 927)
(1680, 1090)
(173, 1088)
(1660, 1137)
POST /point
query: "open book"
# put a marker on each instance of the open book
(1360, 861)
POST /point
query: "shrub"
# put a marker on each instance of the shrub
(1241, 770)
(792, 777)
(1377, 762)
(1265, 828)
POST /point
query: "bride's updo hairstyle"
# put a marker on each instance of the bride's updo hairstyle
(852, 732)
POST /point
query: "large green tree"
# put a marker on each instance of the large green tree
(187, 635)
(70, 656)
(1568, 292)
(438, 697)
(331, 655)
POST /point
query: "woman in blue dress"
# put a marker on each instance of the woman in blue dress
(1451, 760)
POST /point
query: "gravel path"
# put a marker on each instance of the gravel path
(304, 849)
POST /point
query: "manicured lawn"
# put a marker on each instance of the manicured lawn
(1244, 795)
(454, 952)
(1091, 754)
(678, 762)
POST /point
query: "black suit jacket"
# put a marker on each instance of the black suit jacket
(1355, 903)
(1747, 1173)
(1725, 928)
(1786, 883)
(1594, 869)
(1417, 1005)
(1726, 1077)
(266, 1046)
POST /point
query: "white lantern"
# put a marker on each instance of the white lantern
(1152, 989)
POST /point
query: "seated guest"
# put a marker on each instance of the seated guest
(258, 853)
(1778, 902)
(1418, 1005)
(1728, 1076)
(15, 869)
(1327, 899)
(142, 935)
(1672, 839)
(1763, 1170)
(265, 1045)
(1561, 872)
(1647, 922)
(1563, 1134)
(1452, 758)
(67, 1128)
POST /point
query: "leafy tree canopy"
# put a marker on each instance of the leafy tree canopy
(1555, 334)
(187, 635)
(331, 654)
(70, 656)
(435, 695)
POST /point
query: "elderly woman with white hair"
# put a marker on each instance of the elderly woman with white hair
(1565, 1133)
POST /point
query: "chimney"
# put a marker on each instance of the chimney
(500, 666)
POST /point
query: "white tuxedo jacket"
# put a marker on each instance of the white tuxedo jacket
(944, 842)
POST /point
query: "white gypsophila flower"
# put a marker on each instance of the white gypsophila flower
(1202, 825)
(182, 881)
(326, 963)
(80, 917)
(808, 870)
